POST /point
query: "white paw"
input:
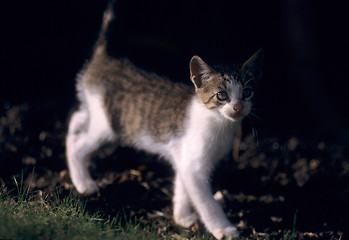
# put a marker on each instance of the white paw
(186, 221)
(228, 233)
(87, 187)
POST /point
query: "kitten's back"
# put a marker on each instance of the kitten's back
(138, 102)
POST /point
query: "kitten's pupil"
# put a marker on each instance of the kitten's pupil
(222, 96)
(247, 93)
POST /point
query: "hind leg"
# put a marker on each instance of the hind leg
(86, 134)
(77, 154)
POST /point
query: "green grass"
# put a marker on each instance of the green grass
(60, 219)
(30, 215)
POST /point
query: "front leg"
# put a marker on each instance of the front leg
(195, 179)
(183, 211)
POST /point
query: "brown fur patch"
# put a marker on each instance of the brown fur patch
(211, 87)
(138, 101)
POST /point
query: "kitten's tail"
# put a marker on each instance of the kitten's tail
(100, 47)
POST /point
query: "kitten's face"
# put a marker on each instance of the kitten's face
(228, 92)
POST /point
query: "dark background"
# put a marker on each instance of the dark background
(303, 91)
(302, 100)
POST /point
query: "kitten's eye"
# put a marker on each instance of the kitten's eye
(247, 93)
(222, 96)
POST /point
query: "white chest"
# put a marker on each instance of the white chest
(209, 135)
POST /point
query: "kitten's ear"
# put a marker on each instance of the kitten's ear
(199, 70)
(254, 64)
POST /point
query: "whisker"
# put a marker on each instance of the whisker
(254, 115)
(256, 129)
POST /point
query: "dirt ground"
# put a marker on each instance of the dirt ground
(262, 191)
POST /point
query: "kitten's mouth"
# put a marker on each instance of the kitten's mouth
(236, 117)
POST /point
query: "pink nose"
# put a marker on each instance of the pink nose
(238, 107)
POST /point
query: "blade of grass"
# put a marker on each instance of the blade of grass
(294, 225)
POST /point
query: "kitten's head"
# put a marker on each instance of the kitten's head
(229, 91)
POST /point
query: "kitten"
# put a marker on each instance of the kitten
(192, 127)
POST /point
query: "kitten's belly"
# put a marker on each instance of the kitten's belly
(149, 144)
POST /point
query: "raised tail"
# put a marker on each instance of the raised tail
(100, 47)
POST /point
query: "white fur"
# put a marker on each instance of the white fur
(208, 136)
(88, 130)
